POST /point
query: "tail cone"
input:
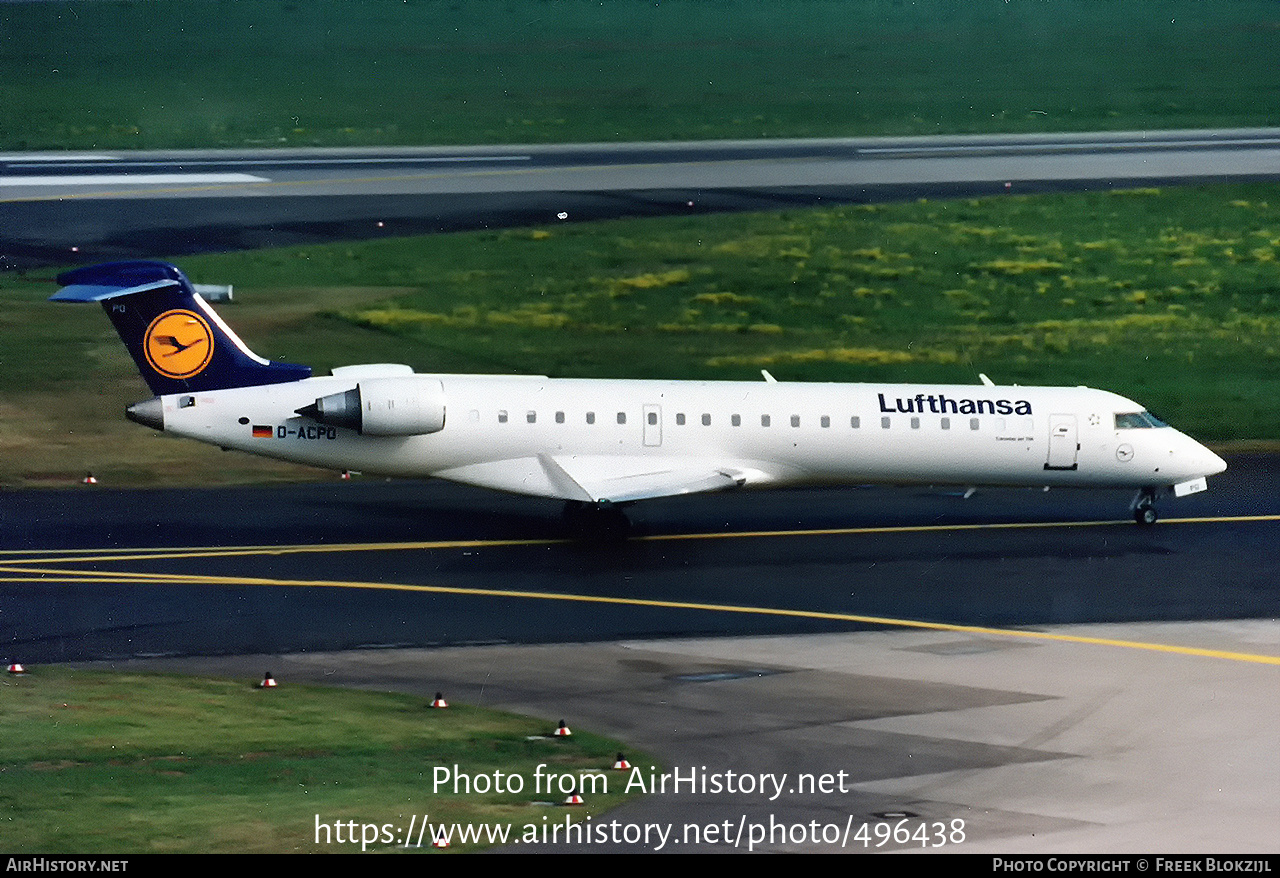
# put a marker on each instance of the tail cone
(148, 413)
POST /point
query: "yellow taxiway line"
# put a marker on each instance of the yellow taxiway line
(29, 566)
(59, 556)
(47, 576)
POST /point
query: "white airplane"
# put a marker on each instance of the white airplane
(599, 443)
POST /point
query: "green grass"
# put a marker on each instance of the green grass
(1166, 296)
(171, 73)
(99, 762)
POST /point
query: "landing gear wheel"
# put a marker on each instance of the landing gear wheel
(1145, 514)
(1144, 507)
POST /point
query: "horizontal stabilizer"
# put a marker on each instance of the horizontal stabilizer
(101, 293)
(93, 283)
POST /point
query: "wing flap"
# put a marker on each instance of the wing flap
(646, 479)
(604, 479)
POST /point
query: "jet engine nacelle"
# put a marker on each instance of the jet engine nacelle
(401, 406)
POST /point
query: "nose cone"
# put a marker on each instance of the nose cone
(1212, 463)
(1197, 460)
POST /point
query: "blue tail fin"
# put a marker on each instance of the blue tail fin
(179, 343)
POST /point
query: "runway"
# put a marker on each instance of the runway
(60, 208)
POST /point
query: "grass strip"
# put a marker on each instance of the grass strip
(121, 762)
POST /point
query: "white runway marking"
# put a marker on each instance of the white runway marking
(130, 179)
(40, 159)
(1048, 147)
(113, 162)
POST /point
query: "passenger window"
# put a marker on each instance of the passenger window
(680, 419)
(884, 423)
(765, 420)
(855, 422)
(653, 419)
(795, 420)
(973, 423)
(826, 421)
(531, 417)
(706, 420)
(736, 420)
(915, 423)
(502, 417)
(622, 417)
(591, 417)
(559, 417)
(946, 423)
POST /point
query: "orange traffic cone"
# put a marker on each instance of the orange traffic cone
(16, 669)
(88, 479)
(562, 730)
(621, 764)
(268, 681)
(439, 701)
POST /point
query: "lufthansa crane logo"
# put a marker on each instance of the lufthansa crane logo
(178, 344)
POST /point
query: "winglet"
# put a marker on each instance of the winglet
(767, 377)
(985, 380)
(178, 342)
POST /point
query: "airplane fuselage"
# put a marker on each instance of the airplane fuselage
(605, 440)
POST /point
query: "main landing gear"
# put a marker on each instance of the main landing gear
(1144, 507)
(596, 522)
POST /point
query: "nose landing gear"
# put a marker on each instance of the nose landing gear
(1144, 507)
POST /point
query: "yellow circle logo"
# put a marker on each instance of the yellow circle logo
(179, 344)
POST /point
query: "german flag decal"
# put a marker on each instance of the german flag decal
(261, 431)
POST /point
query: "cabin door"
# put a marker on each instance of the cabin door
(653, 425)
(1064, 442)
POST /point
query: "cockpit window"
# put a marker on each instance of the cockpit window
(1137, 420)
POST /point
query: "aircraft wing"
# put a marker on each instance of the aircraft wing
(623, 480)
(595, 479)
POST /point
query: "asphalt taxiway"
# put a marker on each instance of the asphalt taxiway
(95, 573)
